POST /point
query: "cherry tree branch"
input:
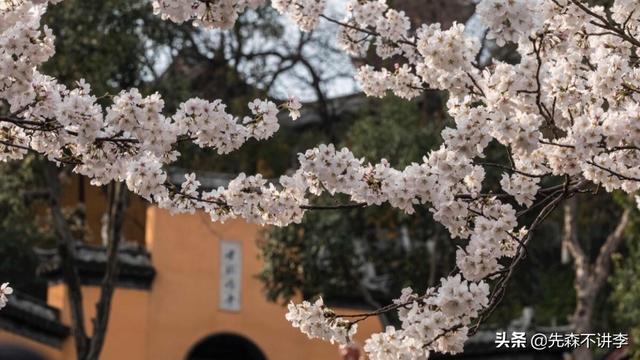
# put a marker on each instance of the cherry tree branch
(609, 24)
(333, 207)
(503, 281)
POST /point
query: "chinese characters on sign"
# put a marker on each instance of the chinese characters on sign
(540, 341)
(230, 275)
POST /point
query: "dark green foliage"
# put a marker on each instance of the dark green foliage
(405, 137)
(19, 230)
(332, 253)
(354, 254)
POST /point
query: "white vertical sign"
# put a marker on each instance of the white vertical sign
(230, 275)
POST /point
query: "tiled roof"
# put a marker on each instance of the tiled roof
(136, 269)
(34, 319)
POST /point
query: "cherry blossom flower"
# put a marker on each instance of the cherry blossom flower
(5, 290)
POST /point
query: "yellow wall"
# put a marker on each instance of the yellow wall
(184, 300)
(127, 330)
(96, 205)
(182, 306)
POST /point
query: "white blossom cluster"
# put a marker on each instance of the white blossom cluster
(206, 13)
(5, 290)
(569, 108)
(304, 13)
(132, 139)
(222, 14)
(437, 321)
(319, 322)
(391, 27)
(508, 22)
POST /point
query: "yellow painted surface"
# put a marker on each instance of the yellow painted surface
(95, 206)
(184, 300)
(182, 306)
(127, 331)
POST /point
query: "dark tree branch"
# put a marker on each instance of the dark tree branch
(608, 24)
(333, 207)
(66, 248)
(117, 207)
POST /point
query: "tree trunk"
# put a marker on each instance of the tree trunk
(582, 316)
(590, 278)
